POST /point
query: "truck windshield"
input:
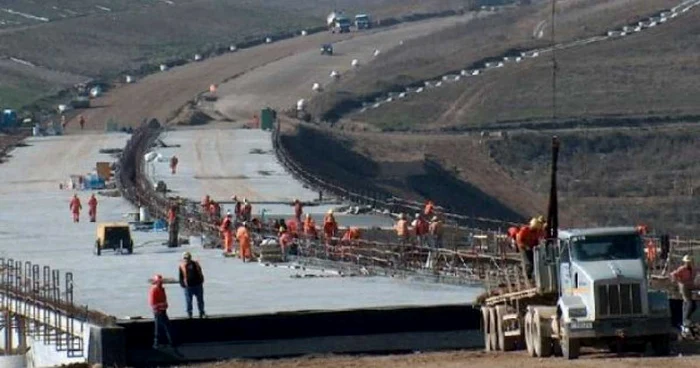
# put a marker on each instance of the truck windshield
(606, 247)
(361, 18)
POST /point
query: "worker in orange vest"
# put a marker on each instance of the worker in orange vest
(226, 230)
(330, 226)
(75, 207)
(651, 253)
(401, 228)
(528, 239)
(173, 164)
(191, 280)
(243, 237)
(512, 235)
(351, 234)
(92, 208)
(310, 227)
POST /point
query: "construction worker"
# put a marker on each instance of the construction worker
(64, 122)
(310, 227)
(429, 209)
(226, 230)
(173, 226)
(81, 120)
(92, 208)
(173, 164)
(351, 234)
(214, 212)
(421, 229)
(247, 210)
(206, 201)
(158, 301)
(651, 253)
(330, 226)
(243, 237)
(192, 281)
(401, 228)
(237, 208)
(298, 210)
(685, 277)
(512, 235)
(527, 239)
(286, 240)
(436, 231)
(75, 207)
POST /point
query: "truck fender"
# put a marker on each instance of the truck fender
(567, 302)
(544, 314)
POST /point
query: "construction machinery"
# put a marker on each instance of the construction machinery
(8, 119)
(362, 21)
(337, 22)
(589, 287)
(115, 236)
(327, 49)
(81, 100)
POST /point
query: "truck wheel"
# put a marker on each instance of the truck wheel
(661, 345)
(504, 344)
(528, 334)
(485, 320)
(493, 335)
(570, 348)
(542, 343)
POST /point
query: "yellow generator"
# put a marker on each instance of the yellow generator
(115, 236)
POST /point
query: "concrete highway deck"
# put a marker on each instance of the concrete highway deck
(36, 226)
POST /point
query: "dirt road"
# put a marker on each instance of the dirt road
(160, 95)
(281, 83)
(461, 359)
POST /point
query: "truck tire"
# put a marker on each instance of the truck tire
(570, 348)
(485, 320)
(661, 345)
(528, 334)
(504, 344)
(493, 335)
(541, 340)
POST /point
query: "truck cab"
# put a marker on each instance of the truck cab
(362, 21)
(601, 279)
(341, 24)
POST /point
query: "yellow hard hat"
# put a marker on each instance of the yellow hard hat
(282, 229)
(186, 255)
(535, 223)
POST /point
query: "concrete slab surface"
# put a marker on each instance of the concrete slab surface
(36, 226)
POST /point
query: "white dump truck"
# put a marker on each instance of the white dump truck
(589, 287)
(362, 21)
(338, 22)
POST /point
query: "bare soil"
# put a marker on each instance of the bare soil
(462, 359)
(462, 47)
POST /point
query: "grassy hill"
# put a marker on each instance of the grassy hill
(466, 46)
(101, 39)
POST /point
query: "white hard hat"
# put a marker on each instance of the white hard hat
(687, 258)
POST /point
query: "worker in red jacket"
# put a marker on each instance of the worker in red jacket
(75, 207)
(685, 277)
(528, 239)
(158, 302)
(92, 208)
